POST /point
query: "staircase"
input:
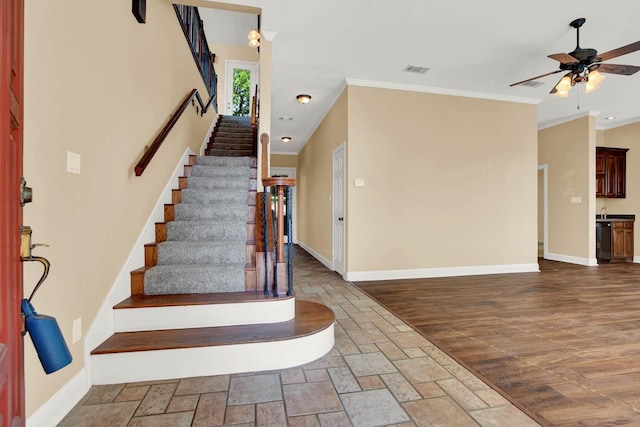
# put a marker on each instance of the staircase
(196, 307)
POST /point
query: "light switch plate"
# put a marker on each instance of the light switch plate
(576, 199)
(77, 330)
(73, 163)
(359, 182)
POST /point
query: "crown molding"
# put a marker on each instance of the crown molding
(441, 91)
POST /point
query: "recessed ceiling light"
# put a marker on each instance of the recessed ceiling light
(286, 139)
(303, 98)
(611, 117)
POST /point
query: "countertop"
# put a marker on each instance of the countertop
(616, 218)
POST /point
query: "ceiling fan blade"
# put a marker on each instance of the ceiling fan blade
(620, 51)
(535, 78)
(625, 70)
(554, 90)
(564, 58)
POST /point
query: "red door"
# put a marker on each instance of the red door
(11, 85)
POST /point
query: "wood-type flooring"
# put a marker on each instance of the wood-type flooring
(562, 344)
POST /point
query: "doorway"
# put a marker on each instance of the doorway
(543, 215)
(338, 209)
(288, 173)
(241, 78)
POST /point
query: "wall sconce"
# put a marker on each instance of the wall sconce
(286, 139)
(303, 98)
(254, 38)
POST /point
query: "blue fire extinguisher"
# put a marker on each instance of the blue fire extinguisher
(44, 330)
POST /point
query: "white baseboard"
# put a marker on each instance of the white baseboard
(56, 408)
(571, 259)
(421, 273)
(317, 256)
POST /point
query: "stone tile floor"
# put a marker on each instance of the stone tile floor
(379, 373)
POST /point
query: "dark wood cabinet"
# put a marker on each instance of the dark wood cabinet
(611, 171)
(622, 240)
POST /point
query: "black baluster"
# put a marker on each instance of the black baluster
(265, 240)
(289, 241)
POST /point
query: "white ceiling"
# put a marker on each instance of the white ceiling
(473, 48)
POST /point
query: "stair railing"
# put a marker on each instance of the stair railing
(193, 29)
(173, 119)
(283, 190)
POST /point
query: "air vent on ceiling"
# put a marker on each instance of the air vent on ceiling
(415, 69)
(532, 83)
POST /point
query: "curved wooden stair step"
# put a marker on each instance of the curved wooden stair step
(141, 301)
(310, 318)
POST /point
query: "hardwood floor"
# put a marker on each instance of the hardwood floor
(563, 344)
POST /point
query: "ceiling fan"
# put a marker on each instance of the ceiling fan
(585, 65)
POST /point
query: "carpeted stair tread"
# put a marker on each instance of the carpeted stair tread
(213, 196)
(229, 153)
(223, 161)
(206, 183)
(193, 278)
(209, 212)
(221, 172)
(200, 252)
(206, 230)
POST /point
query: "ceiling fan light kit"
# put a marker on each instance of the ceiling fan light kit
(586, 66)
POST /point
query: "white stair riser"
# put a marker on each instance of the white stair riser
(203, 361)
(203, 316)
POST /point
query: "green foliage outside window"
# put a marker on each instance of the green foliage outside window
(241, 92)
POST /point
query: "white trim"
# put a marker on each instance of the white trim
(317, 256)
(441, 91)
(552, 123)
(204, 316)
(421, 273)
(572, 259)
(617, 123)
(636, 259)
(208, 135)
(103, 326)
(285, 153)
(59, 405)
(269, 35)
(204, 361)
(330, 102)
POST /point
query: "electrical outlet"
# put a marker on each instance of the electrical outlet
(77, 330)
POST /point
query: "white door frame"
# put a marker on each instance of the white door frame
(291, 173)
(545, 209)
(229, 66)
(338, 238)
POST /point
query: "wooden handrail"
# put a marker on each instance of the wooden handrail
(157, 142)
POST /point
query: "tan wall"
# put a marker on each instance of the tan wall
(569, 151)
(626, 137)
(101, 85)
(315, 180)
(449, 181)
(284, 161)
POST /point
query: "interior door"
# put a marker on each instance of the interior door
(241, 79)
(11, 115)
(338, 209)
